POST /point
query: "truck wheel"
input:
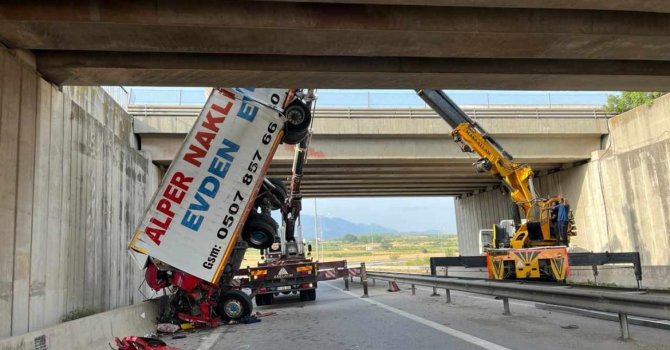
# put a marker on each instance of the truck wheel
(269, 298)
(234, 305)
(259, 231)
(308, 295)
(260, 299)
(298, 118)
(294, 137)
(280, 192)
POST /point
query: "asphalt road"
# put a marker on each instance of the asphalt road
(342, 320)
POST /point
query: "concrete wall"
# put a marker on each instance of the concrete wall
(621, 198)
(92, 332)
(476, 212)
(72, 188)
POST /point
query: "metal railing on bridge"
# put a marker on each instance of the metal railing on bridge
(474, 112)
(391, 98)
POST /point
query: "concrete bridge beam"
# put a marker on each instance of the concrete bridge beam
(376, 155)
(367, 43)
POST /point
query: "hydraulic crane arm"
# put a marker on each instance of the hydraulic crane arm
(291, 211)
(471, 137)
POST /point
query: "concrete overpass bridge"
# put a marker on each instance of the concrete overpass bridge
(74, 185)
(401, 152)
(499, 44)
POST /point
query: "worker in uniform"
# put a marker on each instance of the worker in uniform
(562, 210)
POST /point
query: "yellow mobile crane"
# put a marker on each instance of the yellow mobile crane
(529, 249)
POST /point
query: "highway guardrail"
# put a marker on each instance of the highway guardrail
(624, 302)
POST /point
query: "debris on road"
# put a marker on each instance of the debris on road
(246, 320)
(167, 328)
(265, 314)
(570, 326)
(134, 343)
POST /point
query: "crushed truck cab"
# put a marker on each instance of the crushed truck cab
(193, 225)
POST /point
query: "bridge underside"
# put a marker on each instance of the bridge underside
(391, 178)
(400, 152)
(579, 45)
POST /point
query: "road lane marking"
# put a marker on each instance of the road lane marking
(210, 340)
(442, 328)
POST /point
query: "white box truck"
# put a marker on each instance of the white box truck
(204, 215)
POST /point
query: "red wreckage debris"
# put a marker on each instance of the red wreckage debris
(135, 343)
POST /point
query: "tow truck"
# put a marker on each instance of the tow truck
(287, 266)
(521, 248)
(205, 213)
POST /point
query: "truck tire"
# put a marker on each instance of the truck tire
(234, 305)
(269, 298)
(294, 137)
(260, 299)
(298, 119)
(308, 295)
(259, 231)
(280, 192)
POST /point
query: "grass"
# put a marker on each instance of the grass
(402, 250)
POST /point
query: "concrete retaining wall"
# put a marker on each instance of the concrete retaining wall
(621, 198)
(72, 188)
(93, 332)
(476, 212)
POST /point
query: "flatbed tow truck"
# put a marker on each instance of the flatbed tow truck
(287, 267)
(214, 202)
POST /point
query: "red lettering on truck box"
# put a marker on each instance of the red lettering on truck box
(174, 193)
(205, 137)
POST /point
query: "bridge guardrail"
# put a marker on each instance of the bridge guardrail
(624, 302)
(348, 113)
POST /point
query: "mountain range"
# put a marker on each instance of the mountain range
(334, 227)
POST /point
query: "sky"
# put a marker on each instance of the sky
(404, 214)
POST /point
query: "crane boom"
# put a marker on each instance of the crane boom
(471, 137)
(533, 253)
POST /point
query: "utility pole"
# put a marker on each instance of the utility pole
(316, 231)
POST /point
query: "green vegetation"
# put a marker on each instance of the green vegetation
(385, 250)
(349, 238)
(629, 100)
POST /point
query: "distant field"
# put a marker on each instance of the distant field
(398, 252)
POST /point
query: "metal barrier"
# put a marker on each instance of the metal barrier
(592, 260)
(624, 302)
(475, 113)
(390, 98)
